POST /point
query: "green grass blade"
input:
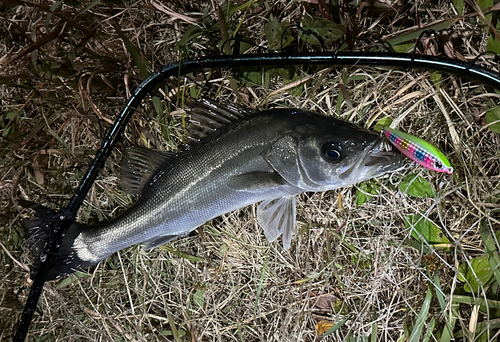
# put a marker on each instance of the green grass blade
(171, 322)
(429, 330)
(490, 324)
(336, 327)
(450, 320)
(261, 281)
(437, 26)
(439, 292)
(374, 332)
(447, 333)
(492, 304)
(419, 325)
(136, 57)
(183, 255)
(491, 248)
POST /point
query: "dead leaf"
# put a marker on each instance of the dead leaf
(38, 172)
(325, 303)
(175, 15)
(323, 326)
(39, 43)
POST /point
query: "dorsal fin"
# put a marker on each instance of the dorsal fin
(139, 164)
(207, 116)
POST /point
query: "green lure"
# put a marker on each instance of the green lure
(418, 150)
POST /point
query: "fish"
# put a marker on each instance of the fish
(418, 150)
(237, 157)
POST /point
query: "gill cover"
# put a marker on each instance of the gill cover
(283, 156)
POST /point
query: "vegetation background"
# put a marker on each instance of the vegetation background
(410, 257)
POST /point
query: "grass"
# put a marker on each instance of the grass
(356, 270)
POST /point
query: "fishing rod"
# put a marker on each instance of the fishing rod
(67, 216)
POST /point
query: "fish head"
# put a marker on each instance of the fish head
(327, 153)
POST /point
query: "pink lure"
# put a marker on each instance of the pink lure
(418, 150)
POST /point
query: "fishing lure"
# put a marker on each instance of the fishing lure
(418, 150)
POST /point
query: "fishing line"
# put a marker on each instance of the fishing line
(67, 216)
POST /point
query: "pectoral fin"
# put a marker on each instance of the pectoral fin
(277, 217)
(255, 181)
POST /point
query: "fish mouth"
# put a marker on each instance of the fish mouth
(375, 161)
(378, 161)
(376, 156)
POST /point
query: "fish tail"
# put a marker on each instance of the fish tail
(39, 230)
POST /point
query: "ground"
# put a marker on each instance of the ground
(385, 260)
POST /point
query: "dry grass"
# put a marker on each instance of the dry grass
(225, 282)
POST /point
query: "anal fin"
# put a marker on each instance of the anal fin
(158, 241)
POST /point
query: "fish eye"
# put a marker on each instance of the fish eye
(331, 152)
(438, 165)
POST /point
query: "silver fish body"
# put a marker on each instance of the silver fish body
(268, 156)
